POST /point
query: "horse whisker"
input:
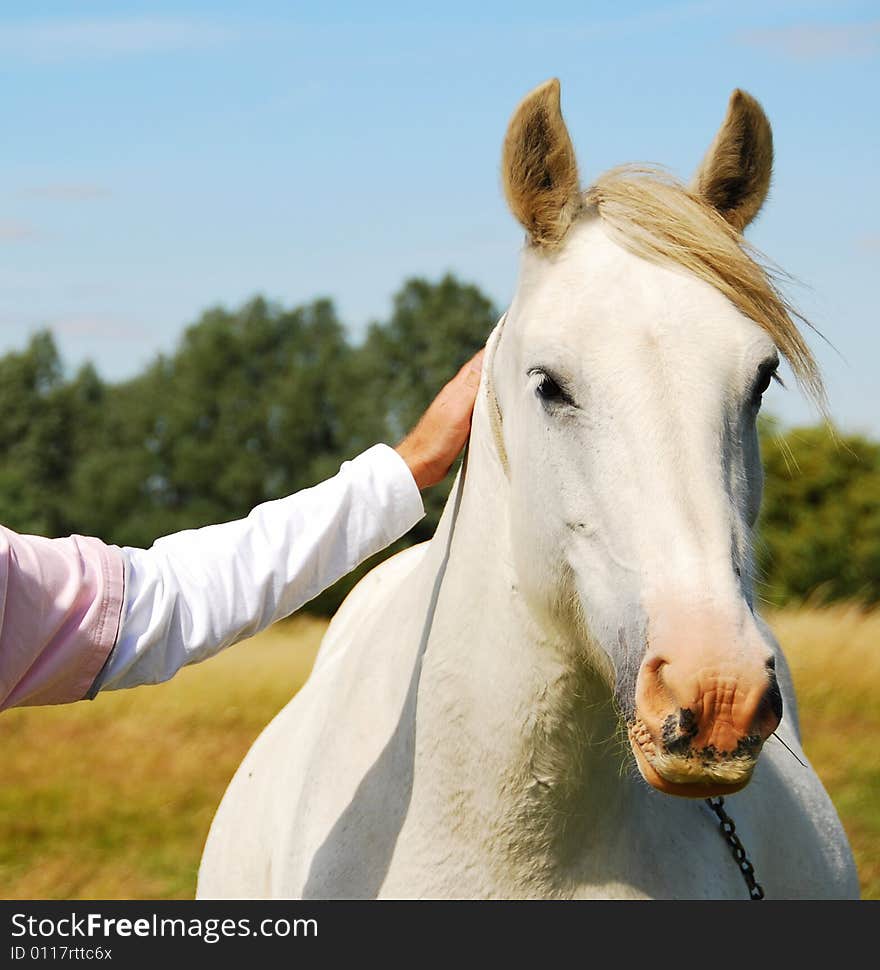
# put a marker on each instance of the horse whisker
(787, 748)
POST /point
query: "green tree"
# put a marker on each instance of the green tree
(243, 412)
(118, 485)
(820, 520)
(403, 363)
(37, 438)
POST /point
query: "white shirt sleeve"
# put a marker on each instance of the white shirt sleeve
(195, 592)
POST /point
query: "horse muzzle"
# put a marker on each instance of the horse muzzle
(700, 726)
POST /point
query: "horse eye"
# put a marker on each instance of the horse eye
(549, 390)
(764, 378)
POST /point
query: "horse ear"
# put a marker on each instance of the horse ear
(734, 176)
(539, 168)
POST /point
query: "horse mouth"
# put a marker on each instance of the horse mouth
(688, 773)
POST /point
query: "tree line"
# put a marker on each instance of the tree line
(262, 401)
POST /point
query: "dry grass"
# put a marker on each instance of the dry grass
(113, 799)
(835, 659)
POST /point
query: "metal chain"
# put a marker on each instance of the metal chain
(728, 830)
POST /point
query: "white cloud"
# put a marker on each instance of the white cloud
(66, 192)
(868, 244)
(810, 42)
(107, 326)
(54, 40)
(16, 232)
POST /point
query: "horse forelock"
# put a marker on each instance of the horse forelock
(656, 217)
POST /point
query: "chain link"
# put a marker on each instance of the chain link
(728, 830)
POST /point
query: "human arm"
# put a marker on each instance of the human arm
(196, 592)
(77, 615)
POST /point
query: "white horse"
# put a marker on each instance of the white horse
(510, 709)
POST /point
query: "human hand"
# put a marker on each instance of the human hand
(435, 442)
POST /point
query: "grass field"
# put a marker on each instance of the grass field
(113, 799)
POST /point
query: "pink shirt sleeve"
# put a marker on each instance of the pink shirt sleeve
(60, 606)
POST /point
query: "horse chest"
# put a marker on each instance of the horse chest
(643, 845)
(667, 852)
(658, 847)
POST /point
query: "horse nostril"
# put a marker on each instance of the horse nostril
(773, 698)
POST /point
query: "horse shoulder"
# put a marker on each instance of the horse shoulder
(306, 763)
(372, 592)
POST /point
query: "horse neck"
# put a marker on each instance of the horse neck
(508, 712)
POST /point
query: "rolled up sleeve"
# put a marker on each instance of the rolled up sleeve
(60, 609)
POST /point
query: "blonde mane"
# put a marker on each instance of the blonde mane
(657, 218)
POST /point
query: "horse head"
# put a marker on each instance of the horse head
(627, 382)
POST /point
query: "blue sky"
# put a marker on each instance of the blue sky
(158, 158)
